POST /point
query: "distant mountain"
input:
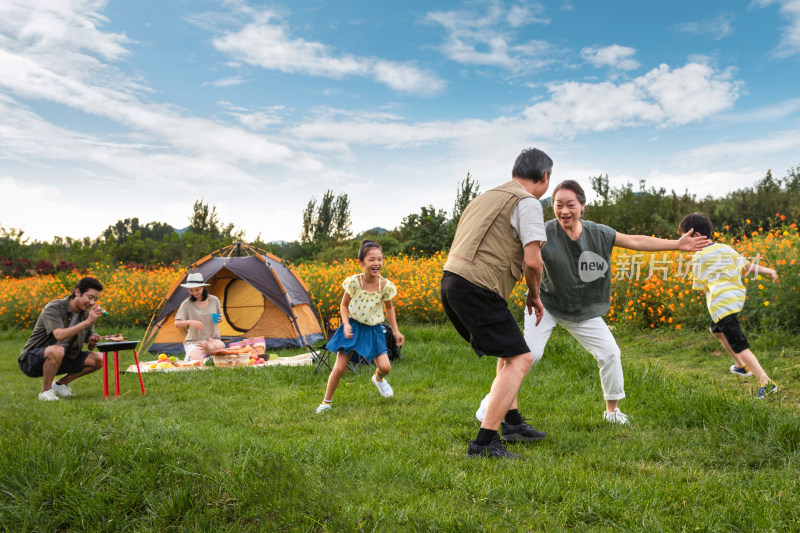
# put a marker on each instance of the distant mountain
(181, 231)
(374, 231)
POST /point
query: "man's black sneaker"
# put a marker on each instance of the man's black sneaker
(494, 449)
(521, 432)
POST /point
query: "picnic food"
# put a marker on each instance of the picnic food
(116, 337)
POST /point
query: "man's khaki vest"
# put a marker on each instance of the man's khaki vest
(485, 250)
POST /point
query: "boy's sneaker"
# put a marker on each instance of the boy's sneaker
(321, 408)
(481, 412)
(767, 390)
(383, 387)
(494, 449)
(48, 396)
(617, 417)
(65, 391)
(521, 432)
(740, 371)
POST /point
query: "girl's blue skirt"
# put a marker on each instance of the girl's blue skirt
(368, 341)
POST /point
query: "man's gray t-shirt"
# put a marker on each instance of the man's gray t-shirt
(527, 219)
(564, 293)
(58, 315)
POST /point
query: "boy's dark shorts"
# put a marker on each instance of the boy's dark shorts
(730, 328)
(481, 317)
(33, 364)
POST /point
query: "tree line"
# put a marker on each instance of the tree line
(326, 233)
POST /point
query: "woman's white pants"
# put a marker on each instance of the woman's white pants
(592, 334)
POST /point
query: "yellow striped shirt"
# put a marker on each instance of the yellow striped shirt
(717, 270)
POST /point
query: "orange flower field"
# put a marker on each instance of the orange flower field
(129, 295)
(649, 290)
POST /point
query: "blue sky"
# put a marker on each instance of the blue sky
(111, 110)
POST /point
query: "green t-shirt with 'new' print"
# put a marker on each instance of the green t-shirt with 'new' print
(576, 280)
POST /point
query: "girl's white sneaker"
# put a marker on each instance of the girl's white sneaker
(321, 408)
(383, 387)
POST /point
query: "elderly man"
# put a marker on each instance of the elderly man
(56, 345)
(499, 237)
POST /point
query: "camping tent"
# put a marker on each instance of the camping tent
(259, 295)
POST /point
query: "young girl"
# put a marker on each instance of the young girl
(362, 314)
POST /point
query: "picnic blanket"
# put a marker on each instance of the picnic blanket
(304, 359)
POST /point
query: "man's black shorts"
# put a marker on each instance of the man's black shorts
(729, 327)
(33, 364)
(481, 317)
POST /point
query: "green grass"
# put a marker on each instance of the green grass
(243, 450)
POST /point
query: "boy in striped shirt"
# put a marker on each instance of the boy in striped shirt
(717, 271)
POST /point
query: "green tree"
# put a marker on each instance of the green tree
(330, 221)
(119, 232)
(426, 232)
(13, 244)
(341, 218)
(468, 189)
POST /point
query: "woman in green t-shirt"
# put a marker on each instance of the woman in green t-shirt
(576, 287)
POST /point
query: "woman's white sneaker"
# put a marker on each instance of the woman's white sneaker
(617, 417)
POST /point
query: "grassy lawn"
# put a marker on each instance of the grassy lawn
(243, 450)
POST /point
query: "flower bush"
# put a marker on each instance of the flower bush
(129, 294)
(648, 289)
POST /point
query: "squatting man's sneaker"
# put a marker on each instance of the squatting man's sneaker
(65, 391)
(321, 408)
(48, 396)
(617, 417)
(740, 371)
(383, 387)
(494, 449)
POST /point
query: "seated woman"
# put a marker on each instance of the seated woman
(197, 313)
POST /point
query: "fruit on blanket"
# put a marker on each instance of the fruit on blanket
(153, 366)
(163, 357)
(253, 357)
(173, 359)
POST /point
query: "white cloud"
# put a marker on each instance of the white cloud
(716, 29)
(776, 111)
(526, 13)
(662, 97)
(614, 56)
(261, 120)
(743, 152)
(43, 61)
(229, 81)
(68, 25)
(266, 42)
(790, 41)
(490, 39)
